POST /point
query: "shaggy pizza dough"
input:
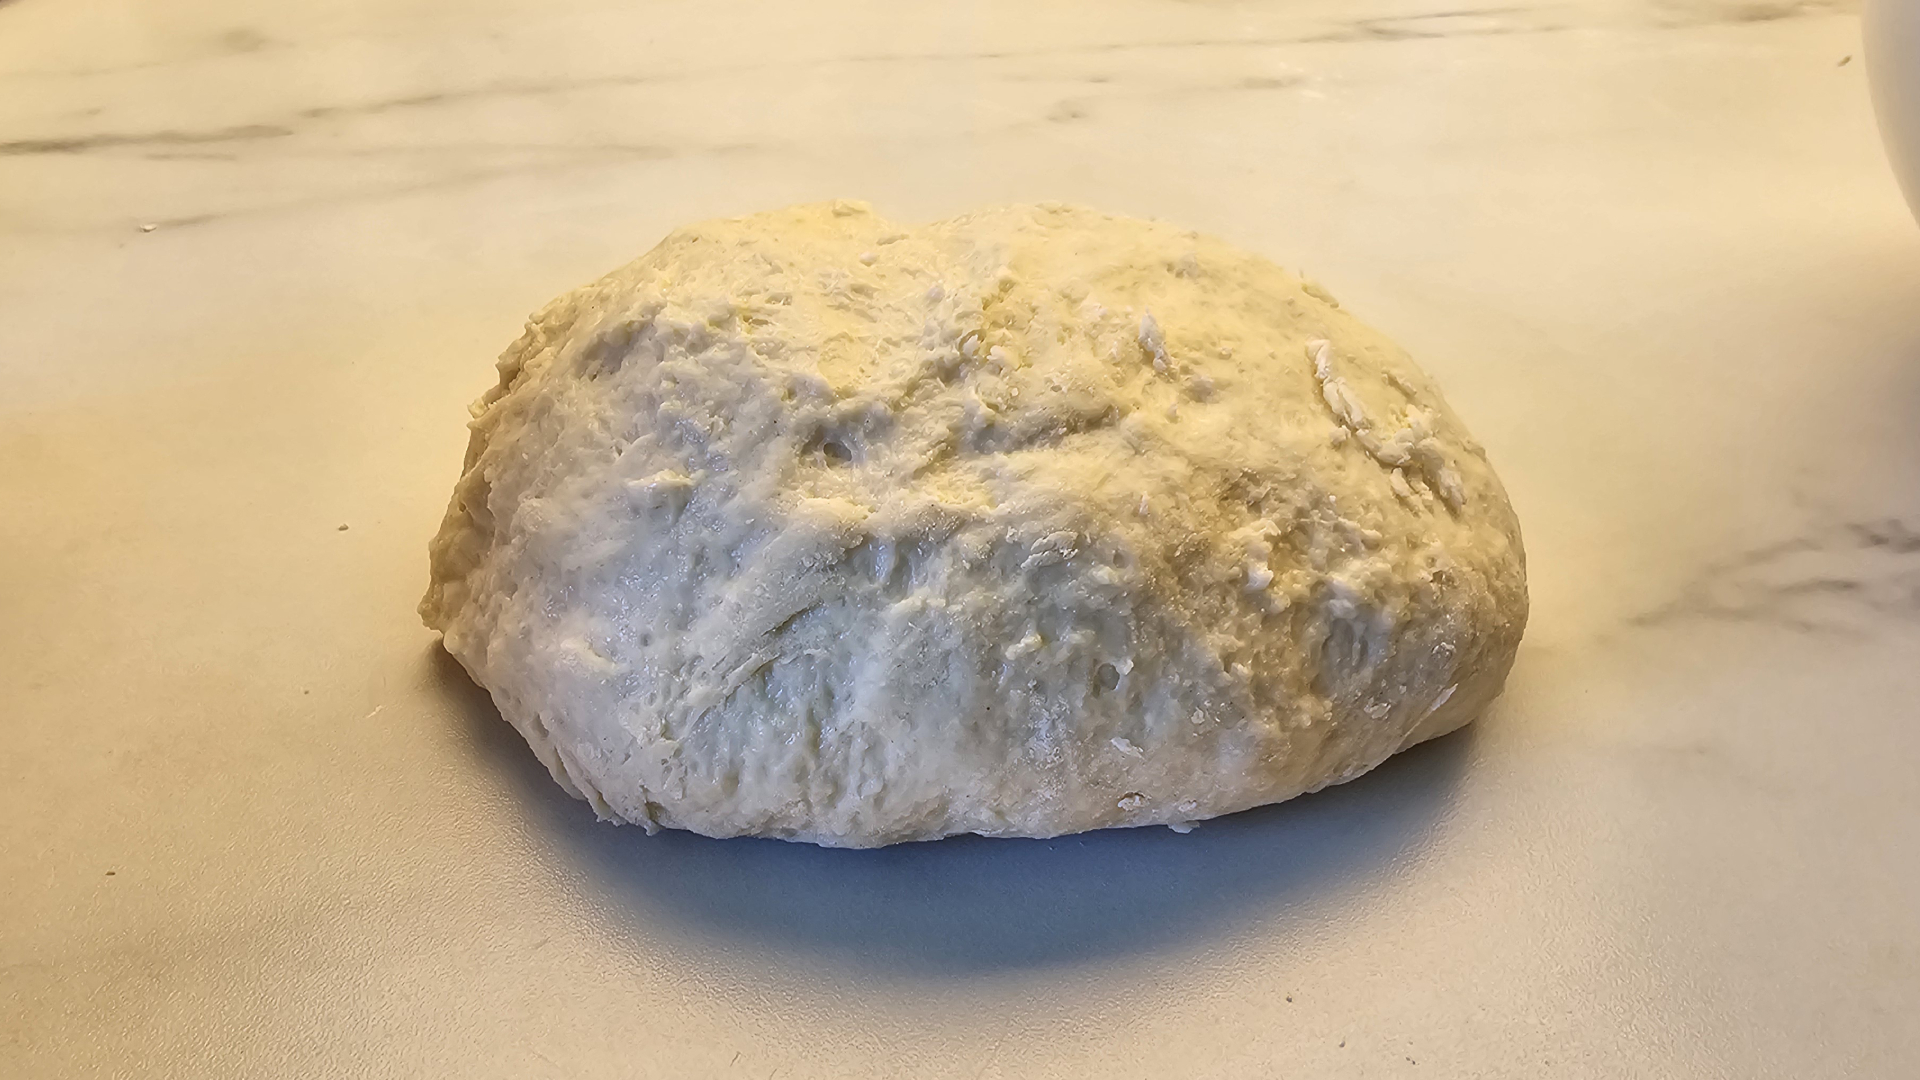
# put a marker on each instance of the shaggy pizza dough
(1037, 520)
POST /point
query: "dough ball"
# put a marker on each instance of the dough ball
(811, 525)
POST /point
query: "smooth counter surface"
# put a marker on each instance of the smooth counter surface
(255, 261)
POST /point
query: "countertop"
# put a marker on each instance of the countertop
(256, 259)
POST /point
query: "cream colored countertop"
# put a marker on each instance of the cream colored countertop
(256, 825)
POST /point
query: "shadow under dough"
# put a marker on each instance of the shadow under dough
(971, 904)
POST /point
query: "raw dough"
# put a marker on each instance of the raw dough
(1036, 520)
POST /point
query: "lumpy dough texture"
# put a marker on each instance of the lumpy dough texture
(1036, 520)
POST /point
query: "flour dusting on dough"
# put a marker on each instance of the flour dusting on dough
(1035, 520)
